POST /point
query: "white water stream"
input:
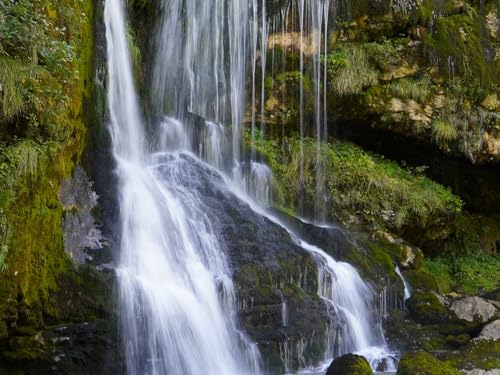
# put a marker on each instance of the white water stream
(178, 302)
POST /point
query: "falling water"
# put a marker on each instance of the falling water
(407, 290)
(177, 299)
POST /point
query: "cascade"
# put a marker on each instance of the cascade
(177, 298)
(178, 304)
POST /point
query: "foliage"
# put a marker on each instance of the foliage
(386, 54)
(350, 70)
(358, 182)
(12, 93)
(418, 90)
(443, 132)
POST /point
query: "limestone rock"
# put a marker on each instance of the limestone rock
(474, 309)
(490, 331)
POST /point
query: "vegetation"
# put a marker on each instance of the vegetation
(350, 70)
(45, 62)
(418, 90)
(470, 274)
(443, 132)
(358, 182)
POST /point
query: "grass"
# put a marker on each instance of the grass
(12, 93)
(418, 90)
(351, 70)
(358, 182)
(443, 132)
(471, 274)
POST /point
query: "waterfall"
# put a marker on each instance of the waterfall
(178, 302)
(177, 299)
(407, 290)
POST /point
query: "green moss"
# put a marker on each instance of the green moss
(482, 354)
(458, 38)
(422, 280)
(426, 308)
(41, 148)
(350, 364)
(424, 364)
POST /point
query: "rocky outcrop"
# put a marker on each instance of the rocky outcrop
(474, 309)
(490, 331)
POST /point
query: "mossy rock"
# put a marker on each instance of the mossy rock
(484, 354)
(421, 280)
(426, 308)
(350, 364)
(458, 340)
(422, 363)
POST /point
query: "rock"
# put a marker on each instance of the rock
(422, 363)
(481, 372)
(349, 364)
(494, 295)
(490, 331)
(474, 309)
(413, 257)
(426, 308)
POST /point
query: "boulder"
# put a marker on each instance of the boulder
(474, 309)
(350, 364)
(423, 363)
(490, 331)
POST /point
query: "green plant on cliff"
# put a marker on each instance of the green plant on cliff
(443, 132)
(350, 70)
(358, 183)
(12, 100)
(418, 90)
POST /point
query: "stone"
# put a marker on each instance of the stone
(427, 308)
(481, 372)
(490, 331)
(474, 309)
(349, 364)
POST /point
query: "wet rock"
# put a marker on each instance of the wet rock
(423, 363)
(490, 331)
(349, 364)
(474, 309)
(80, 230)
